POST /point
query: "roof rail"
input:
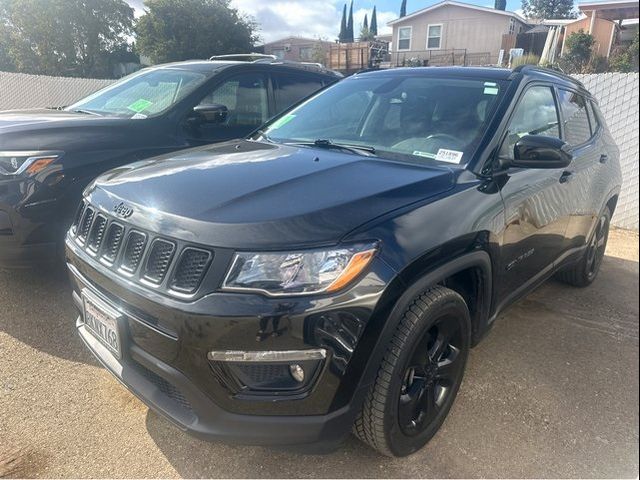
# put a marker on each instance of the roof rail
(244, 57)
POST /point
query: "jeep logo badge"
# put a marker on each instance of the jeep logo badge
(123, 210)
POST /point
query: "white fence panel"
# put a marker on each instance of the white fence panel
(617, 94)
(18, 90)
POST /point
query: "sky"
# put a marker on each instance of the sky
(321, 18)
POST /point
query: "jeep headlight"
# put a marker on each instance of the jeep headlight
(298, 273)
(31, 162)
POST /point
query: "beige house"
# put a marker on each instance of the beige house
(299, 49)
(453, 32)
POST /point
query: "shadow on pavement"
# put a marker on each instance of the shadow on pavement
(37, 310)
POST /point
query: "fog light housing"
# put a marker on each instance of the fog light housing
(297, 372)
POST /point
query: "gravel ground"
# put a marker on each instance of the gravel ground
(551, 392)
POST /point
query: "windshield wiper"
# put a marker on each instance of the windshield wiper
(88, 112)
(328, 144)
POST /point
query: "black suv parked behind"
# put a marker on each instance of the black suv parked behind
(47, 157)
(334, 269)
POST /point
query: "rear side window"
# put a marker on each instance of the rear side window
(292, 88)
(576, 119)
(536, 114)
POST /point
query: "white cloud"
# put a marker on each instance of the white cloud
(304, 18)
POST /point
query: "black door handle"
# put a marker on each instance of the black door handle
(603, 158)
(564, 178)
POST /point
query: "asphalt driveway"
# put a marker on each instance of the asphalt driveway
(551, 392)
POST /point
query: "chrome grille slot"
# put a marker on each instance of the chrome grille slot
(85, 225)
(133, 251)
(112, 242)
(97, 233)
(158, 260)
(192, 266)
(78, 217)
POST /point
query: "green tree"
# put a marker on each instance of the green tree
(374, 22)
(547, 9)
(173, 30)
(500, 4)
(579, 51)
(403, 9)
(350, 31)
(63, 37)
(342, 37)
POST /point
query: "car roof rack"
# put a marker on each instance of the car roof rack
(273, 60)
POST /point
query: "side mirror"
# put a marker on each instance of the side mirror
(536, 151)
(210, 113)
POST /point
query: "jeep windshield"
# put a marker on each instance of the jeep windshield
(142, 94)
(409, 117)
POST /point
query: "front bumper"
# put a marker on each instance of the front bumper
(165, 343)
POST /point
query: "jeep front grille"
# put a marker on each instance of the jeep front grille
(133, 251)
(158, 261)
(97, 233)
(174, 266)
(191, 267)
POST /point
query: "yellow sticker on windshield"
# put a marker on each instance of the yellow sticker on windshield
(140, 105)
(281, 122)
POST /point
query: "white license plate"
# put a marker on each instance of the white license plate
(102, 321)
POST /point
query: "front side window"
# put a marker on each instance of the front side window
(576, 119)
(535, 114)
(434, 35)
(245, 98)
(143, 94)
(404, 38)
(412, 118)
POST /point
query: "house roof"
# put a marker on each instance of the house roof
(294, 38)
(457, 4)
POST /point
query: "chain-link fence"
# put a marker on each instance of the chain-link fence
(617, 94)
(18, 90)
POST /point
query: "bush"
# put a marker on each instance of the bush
(579, 50)
(624, 58)
(529, 59)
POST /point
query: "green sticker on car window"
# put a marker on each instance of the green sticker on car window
(140, 105)
(490, 90)
(418, 153)
(281, 122)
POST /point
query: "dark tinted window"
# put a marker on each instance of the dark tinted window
(576, 119)
(535, 114)
(292, 88)
(593, 116)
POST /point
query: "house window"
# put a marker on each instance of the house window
(434, 37)
(306, 53)
(278, 52)
(404, 38)
(512, 26)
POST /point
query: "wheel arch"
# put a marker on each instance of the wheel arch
(455, 273)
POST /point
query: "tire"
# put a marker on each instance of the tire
(428, 354)
(584, 272)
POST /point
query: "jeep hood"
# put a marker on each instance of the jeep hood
(260, 195)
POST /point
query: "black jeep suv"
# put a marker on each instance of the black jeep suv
(47, 157)
(332, 271)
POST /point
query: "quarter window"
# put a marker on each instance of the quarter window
(536, 114)
(576, 119)
(404, 38)
(434, 35)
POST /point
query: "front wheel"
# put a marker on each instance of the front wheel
(419, 376)
(583, 273)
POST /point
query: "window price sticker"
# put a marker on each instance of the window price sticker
(450, 156)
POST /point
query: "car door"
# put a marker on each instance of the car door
(245, 96)
(535, 200)
(581, 131)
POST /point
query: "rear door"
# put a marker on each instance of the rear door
(535, 200)
(587, 186)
